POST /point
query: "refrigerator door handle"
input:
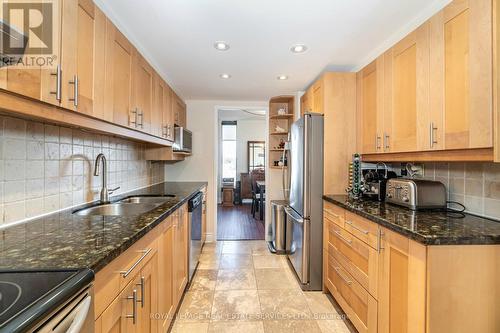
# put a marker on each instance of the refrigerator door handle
(295, 217)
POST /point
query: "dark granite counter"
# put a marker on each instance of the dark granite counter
(426, 227)
(66, 241)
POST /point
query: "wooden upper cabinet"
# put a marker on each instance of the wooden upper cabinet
(461, 70)
(369, 95)
(317, 96)
(304, 101)
(179, 110)
(406, 93)
(83, 47)
(143, 78)
(168, 114)
(157, 110)
(119, 72)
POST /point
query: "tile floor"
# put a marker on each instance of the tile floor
(240, 286)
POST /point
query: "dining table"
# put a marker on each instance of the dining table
(261, 186)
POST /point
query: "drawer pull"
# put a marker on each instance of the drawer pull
(332, 213)
(346, 280)
(133, 316)
(348, 241)
(357, 228)
(128, 271)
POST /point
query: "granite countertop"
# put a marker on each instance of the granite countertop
(66, 241)
(426, 227)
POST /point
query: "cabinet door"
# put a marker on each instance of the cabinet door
(118, 317)
(407, 88)
(402, 279)
(370, 89)
(118, 82)
(179, 111)
(82, 56)
(168, 114)
(166, 306)
(31, 81)
(157, 109)
(143, 92)
(148, 296)
(304, 103)
(461, 53)
(180, 253)
(318, 96)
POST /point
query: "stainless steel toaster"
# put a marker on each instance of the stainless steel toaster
(416, 193)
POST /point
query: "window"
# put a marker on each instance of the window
(229, 149)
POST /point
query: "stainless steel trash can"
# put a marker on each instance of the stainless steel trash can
(278, 225)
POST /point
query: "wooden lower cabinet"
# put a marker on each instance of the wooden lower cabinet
(146, 299)
(402, 286)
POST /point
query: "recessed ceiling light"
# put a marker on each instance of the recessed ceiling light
(225, 76)
(221, 46)
(282, 77)
(298, 48)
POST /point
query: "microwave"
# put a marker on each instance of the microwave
(183, 140)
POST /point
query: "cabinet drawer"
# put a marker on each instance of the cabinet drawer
(333, 213)
(362, 228)
(111, 280)
(359, 259)
(358, 304)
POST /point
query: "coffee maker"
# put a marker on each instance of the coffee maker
(375, 181)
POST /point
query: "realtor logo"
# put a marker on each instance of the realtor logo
(27, 28)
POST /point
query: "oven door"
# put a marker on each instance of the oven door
(299, 246)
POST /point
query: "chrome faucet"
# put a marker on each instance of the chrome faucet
(104, 190)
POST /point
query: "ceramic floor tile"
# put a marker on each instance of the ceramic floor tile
(241, 247)
(236, 305)
(204, 279)
(232, 261)
(209, 261)
(274, 278)
(186, 327)
(291, 326)
(213, 247)
(332, 326)
(238, 326)
(196, 306)
(236, 279)
(321, 306)
(284, 305)
(267, 261)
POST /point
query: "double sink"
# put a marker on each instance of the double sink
(129, 206)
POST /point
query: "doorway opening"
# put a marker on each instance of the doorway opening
(241, 179)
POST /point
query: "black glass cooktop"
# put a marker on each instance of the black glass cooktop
(20, 289)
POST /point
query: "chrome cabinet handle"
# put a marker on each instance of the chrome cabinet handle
(386, 141)
(332, 213)
(142, 285)
(164, 131)
(168, 131)
(128, 271)
(133, 316)
(357, 228)
(348, 241)
(75, 90)
(58, 75)
(377, 142)
(379, 240)
(141, 114)
(433, 141)
(134, 112)
(346, 280)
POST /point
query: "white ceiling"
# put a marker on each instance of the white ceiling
(242, 114)
(177, 37)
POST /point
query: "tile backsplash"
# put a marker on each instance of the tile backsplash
(45, 168)
(475, 185)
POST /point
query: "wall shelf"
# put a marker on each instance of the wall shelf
(281, 114)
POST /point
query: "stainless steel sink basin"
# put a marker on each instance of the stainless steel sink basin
(117, 209)
(153, 200)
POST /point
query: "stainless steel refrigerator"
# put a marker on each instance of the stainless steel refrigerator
(305, 209)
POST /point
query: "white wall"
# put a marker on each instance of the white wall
(202, 165)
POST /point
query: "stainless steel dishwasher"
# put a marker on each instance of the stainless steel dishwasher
(195, 210)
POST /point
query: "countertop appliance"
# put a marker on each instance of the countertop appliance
(47, 301)
(183, 141)
(375, 181)
(305, 208)
(195, 210)
(416, 193)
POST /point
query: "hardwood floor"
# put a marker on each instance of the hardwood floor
(237, 223)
